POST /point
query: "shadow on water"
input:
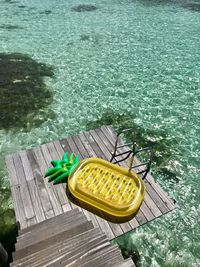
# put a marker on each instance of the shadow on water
(10, 27)
(164, 145)
(23, 93)
(10, 2)
(8, 241)
(84, 8)
(190, 5)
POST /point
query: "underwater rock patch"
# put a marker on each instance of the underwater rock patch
(22, 6)
(47, 12)
(84, 37)
(22, 90)
(10, 27)
(84, 8)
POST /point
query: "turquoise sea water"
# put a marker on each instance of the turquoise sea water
(127, 62)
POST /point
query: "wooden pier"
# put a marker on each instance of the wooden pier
(35, 200)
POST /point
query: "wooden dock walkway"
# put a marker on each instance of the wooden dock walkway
(68, 239)
(36, 200)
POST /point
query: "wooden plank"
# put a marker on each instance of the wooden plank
(56, 188)
(117, 230)
(97, 152)
(78, 228)
(62, 192)
(27, 180)
(149, 209)
(40, 184)
(48, 223)
(80, 251)
(154, 207)
(24, 191)
(106, 226)
(48, 253)
(62, 147)
(163, 195)
(68, 250)
(96, 220)
(16, 192)
(77, 151)
(18, 206)
(48, 232)
(50, 188)
(106, 256)
(52, 220)
(97, 256)
(106, 155)
(11, 171)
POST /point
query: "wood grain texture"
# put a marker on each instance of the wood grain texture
(35, 200)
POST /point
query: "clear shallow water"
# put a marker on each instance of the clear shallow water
(138, 58)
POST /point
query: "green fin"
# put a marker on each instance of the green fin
(71, 158)
(65, 157)
(55, 175)
(62, 178)
(52, 170)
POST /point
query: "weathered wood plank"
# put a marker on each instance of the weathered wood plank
(19, 206)
(96, 220)
(117, 230)
(30, 212)
(67, 242)
(61, 192)
(16, 193)
(95, 149)
(11, 170)
(106, 155)
(48, 232)
(105, 225)
(80, 251)
(40, 184)
(68, 251)
(106, 256)
(48, 223)
(56, 188)
(155, 207)
(49, 186)
(163, 195)
(77, 151)
(77, 228)
(28, 181)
